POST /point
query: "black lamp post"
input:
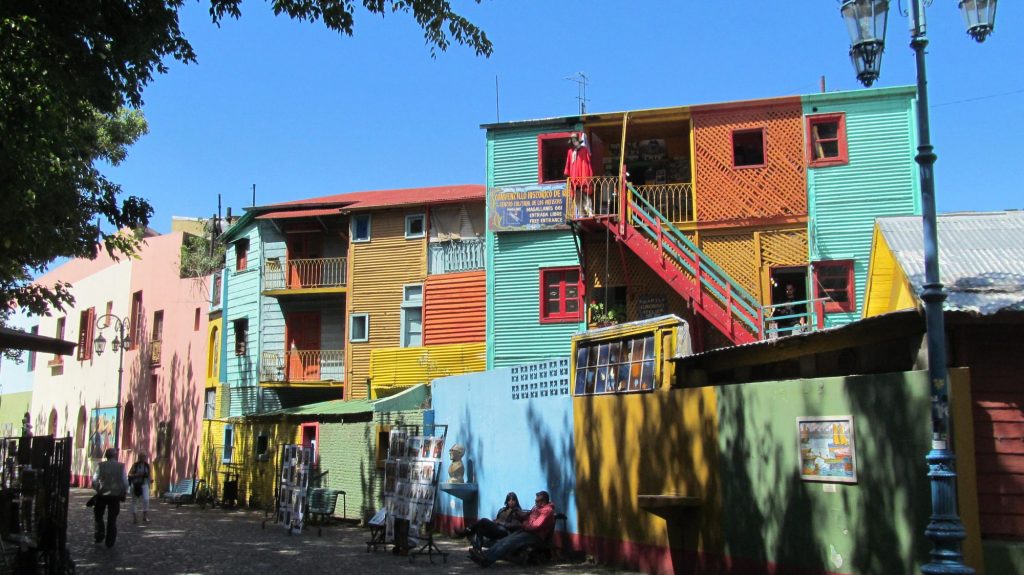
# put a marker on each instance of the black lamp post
(865, 21)
(118, 345)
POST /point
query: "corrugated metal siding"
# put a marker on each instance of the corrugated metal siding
(242, 301)
(880, 180)
(515, 334)
(380, 268)
(243, 401)
(512, 157)
(992, 352)
(454, 308)
(398, 368)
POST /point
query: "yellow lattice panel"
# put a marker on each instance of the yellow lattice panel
(736, 254)
(778, 188)
(784, 247)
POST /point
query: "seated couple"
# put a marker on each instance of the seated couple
(513, 529)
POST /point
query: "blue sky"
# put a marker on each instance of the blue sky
(302, 112)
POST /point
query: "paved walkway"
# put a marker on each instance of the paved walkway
(188, 540)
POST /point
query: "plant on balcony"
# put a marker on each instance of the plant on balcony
(603, 316)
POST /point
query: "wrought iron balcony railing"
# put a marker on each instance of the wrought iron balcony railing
(304, 273)
(456, 256)
(303, 366)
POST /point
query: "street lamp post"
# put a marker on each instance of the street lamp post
(866, 22)
(118, 345)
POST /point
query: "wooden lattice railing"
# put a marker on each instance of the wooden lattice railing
(304, 273)
(306, 365)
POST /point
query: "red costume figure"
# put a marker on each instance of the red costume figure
(579, 171)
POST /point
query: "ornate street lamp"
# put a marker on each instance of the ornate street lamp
(865, 22)
(118, 345)
(862, 21)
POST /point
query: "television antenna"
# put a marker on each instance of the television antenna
(581, 81)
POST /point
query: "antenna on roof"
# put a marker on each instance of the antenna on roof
(581, 80)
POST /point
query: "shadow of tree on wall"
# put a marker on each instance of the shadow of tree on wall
(557, 454)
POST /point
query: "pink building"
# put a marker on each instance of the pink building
(161, 392)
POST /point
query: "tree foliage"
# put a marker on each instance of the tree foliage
(72, 74)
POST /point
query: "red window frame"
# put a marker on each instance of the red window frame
(835, 269)
(241, 255)
(843, 156)
(562, 315)
(764, 147)
(135, 323)
(85, 334)
(541, 139)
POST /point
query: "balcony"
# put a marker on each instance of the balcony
(456, 256)
(600, 197)
(315, 366)
(318, 275)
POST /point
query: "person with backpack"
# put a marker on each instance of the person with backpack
(111, 484)
(139, 479)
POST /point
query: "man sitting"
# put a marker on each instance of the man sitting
(536, 530)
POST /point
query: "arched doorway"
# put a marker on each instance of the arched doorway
(83, 421)
(52, 429)
(128, 426)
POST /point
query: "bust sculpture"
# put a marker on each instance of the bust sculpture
(456, 471)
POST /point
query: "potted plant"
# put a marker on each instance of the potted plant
(603, 316)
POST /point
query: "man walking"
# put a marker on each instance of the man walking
(111, 484)
(537, 528)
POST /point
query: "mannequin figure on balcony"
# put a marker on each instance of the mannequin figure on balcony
(579, 172)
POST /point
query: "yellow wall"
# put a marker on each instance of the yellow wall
(397, 368)
(379, 270)
(888, 289)
(256, 478)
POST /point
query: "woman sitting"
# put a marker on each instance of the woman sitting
(486, 531)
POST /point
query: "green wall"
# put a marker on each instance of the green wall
(13, 407)
(770, 515)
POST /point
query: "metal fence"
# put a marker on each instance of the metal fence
(303, 366)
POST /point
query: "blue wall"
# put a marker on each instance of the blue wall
(522, 445)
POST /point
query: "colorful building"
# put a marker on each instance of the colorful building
(708, 212)
(981, 263)
(161, 387)
(355, 296)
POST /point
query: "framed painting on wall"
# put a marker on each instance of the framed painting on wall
(826, 449)
(102, 421)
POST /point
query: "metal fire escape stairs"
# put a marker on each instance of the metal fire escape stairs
(663, 247)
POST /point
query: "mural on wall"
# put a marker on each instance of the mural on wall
(827, 451)
(102, 422)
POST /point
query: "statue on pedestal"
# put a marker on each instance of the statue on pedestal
(456, 471)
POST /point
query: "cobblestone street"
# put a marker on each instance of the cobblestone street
(188, 540)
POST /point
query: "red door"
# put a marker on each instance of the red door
(304, 253)
(302, 333)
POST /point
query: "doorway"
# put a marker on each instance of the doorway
(788, 276)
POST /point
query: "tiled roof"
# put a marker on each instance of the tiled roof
(981, 257)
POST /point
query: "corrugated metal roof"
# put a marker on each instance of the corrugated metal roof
(281, 215)
(981, 257)
(412, 398)
(400, 197)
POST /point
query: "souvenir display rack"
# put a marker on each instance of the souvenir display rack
(411, 474)
(293, 486)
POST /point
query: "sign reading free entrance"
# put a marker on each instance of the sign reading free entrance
(527, 208)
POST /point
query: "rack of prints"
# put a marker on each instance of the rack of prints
(410, 479)
(294, 486)
(541, 380)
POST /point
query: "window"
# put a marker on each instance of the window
(85, 334)
(80, 430)
(748, 148)
(560, 295)
(32, 354)
(59, 334)
(359, 327)
(414, 226)
(826, 140)
(552, 150)
(412, 315)
(617, 366)
(241, 335)
(361, 228)
(135, 322)
(155, 343)
(241, 254)
(210, 411)
(195, 322)
(383, 442)
(218, 285)
(108, 314)
(164, 434)
(229, 444)
(154, 386)
(213, 359)
(834, 280)
(262, 446)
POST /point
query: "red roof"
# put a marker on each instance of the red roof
(387, 198)
(284, 214)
